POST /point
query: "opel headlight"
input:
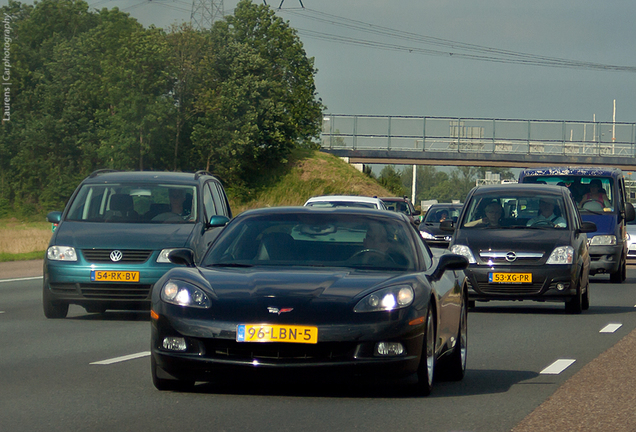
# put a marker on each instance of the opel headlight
(386, 299)
(561, 255)
(61, 253)
(182, 293)
(427, 236)
(464, 251)
(603, 240)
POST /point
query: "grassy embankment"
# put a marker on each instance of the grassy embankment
(307, 174)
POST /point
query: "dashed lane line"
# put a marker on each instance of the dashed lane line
(557, 367)
(122, 358)
(611, 328)
(21, 279)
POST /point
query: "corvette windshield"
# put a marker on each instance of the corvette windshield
(315, 240)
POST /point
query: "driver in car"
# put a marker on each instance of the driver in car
(596, 194)
(546, 216)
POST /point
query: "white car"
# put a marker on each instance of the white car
(630, 227)
(330, 201)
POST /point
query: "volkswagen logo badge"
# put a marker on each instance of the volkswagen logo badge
(511, 256)
(116, 255)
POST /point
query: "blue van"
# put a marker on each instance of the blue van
(601, 198)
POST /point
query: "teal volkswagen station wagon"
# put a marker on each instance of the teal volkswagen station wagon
(111, 242)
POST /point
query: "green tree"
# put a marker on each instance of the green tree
(390, 178)
(261, 101)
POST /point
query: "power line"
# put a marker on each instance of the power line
(455, 49)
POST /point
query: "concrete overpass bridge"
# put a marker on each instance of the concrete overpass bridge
(410, 140)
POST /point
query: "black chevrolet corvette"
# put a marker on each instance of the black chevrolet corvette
(310, 291)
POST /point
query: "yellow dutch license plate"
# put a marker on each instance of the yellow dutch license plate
(114, 276)
(276, 333)
(512, 278)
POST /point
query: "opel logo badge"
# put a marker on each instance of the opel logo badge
(511, 256)
(116, 255)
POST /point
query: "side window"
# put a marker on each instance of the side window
(425, 251)
(219, 198)
(208, 202)
(621, 195)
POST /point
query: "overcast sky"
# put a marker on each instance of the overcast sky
(411, 58)
(402, 63)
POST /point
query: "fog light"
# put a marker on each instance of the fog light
(389, 349)
(174, 343)
(560, 286)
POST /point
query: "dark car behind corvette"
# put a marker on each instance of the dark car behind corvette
(304, 290)
(112, 241)
(522, 256)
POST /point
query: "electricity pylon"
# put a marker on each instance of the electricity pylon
(205, 13)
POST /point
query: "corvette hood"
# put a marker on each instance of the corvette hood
(258, 294)
(302, 283)
(88, 235)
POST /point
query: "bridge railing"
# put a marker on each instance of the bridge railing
(476, 135)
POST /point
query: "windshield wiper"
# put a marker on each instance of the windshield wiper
(229, 265)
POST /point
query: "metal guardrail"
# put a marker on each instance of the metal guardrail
(478, 135)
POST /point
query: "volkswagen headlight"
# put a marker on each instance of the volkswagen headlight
(61, 253)
(386, 299)
(163, 256)
(561, 255)
(603, 240)
(182, 293)
(464, 251)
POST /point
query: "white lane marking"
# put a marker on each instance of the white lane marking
(1, 311)
(557, 367)
(611, 328)
(21, 279)
(122, 358)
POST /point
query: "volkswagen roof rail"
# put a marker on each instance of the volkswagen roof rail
(102, 171)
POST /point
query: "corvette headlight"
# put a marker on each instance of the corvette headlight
(163, 256)
(603, 240)
(464, 251)
(182, 293)
(561, 255)
(386, 299)
(427, 236)
(61, 253)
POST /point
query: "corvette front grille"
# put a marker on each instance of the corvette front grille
(232, 350)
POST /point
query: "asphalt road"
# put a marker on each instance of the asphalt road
(530, 368)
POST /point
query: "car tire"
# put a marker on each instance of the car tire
(586, 298)
(426, 369)
(52, 309)
(575, 304)
(453, 367)
(620, 275)
(168, 384)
